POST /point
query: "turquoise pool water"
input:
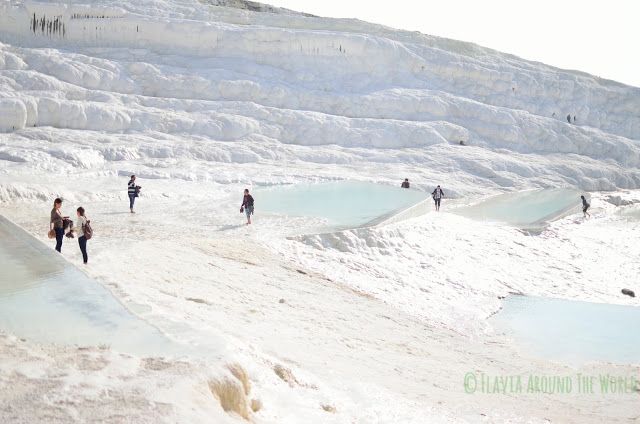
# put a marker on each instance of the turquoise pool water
(342, 203)
(527, 209)
(572, 331)
(45, 299)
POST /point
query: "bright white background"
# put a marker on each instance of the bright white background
(599, 37)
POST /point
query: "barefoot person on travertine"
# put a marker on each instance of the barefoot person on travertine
(84, 233)
(437, 195)
(247, 205)
(56, 224)
(133, 191)
(585, 207)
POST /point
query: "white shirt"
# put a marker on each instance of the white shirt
(80, 228)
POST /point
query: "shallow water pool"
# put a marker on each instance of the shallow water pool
(45, 299)
(342, 204)
(530, 209)
(572, 331)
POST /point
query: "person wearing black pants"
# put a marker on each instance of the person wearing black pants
(57, 224)
(437, 195)
(585, 207)
(59, 238)
(133, 191)
(82, 240)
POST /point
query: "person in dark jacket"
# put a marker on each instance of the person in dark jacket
(247, 205)
(133, 191)
(437, 195)
(57, 223)
(585, 207)
(405, 183)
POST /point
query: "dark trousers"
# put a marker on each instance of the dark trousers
(59, 237)
(132, 199)
(82, 241)
(437, 202)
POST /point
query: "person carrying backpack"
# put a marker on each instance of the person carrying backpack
(437, 195)
(133, 191)
(247, 205)
(85, 232)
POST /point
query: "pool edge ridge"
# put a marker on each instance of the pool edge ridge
(397, 215)
(42, 248)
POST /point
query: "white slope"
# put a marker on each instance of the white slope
(189, 70)
(377, 324)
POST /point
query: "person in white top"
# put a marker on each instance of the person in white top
(82, 239)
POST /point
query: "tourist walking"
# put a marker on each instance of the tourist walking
(437, 195)
(585, 207)
(247, 205)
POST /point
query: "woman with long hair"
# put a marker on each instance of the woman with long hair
(82, 239)
(57, 223)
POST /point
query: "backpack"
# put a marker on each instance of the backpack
(87, 230)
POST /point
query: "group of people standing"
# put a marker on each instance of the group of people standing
(436, 194)
(59, 224)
